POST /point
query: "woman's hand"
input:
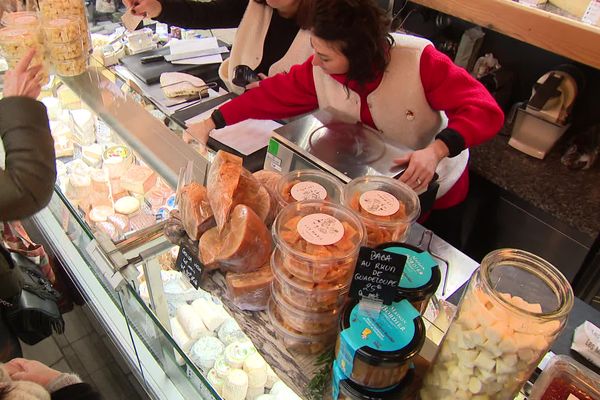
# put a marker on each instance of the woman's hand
(21, 369)
(23, 79)
(200, 131)
(257, 83)
(144, 8)
(422, 165)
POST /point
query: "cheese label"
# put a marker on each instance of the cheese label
(380, 203)
(320, 229)
(390, 331)
(308, 191)
(419, 267)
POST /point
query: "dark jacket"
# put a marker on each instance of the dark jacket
(79, 391)
(27, 181)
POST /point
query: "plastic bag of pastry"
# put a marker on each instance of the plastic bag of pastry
(230, 184)
(196, 214)
(244, 245)
(173, 228)
(269, 180)
(251, 290)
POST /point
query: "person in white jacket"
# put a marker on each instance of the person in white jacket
(270, 37)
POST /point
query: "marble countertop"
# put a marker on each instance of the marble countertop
(572, 197)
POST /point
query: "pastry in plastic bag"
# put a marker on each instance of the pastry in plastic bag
(251, 290)
(196, 214)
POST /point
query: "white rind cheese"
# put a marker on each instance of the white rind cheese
(254, 392)
(205, 352)
(192, 324)
(256, 368)
(235, 386)
(213, 315)
(237, 352)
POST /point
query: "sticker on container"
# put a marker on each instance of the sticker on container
(308, 191)
(392, 330)
(380, 203)
(419, 267)
(320, 229)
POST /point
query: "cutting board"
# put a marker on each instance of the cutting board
(150, 73)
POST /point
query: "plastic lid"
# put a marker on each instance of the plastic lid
(357, 392)
(12, 18)
(563, 376)
(421, 276)
(318, 231)
(399, 321)
(381, 200)
(308, 184)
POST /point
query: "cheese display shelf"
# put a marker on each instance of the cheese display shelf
(558, 34)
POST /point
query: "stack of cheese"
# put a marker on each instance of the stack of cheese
(229, 217)
(51, 10)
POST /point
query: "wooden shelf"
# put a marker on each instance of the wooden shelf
(555, 33)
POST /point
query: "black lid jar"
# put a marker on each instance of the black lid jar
(344, 389)
(375, 351)
(421, 276)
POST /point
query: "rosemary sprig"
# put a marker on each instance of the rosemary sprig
(316, 386)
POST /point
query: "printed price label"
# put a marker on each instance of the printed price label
(377, 275)
(379, 203)
(320, 229)
(189, 265)
(308, 191)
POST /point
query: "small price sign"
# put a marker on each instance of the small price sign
(189, 265)
(377, 275)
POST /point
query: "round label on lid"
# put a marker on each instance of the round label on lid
(308, 191)
(380, 203)
(320, 229)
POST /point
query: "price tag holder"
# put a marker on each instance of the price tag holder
(189, 265)
(377, 276)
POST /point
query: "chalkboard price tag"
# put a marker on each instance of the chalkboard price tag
(189, 265)
(377, 275)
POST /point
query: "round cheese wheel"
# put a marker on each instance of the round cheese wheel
(256, 368)
(235, 385)
(100, 213)
(127, 205)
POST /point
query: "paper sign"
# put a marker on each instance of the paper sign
(131, 21)
(377, 275)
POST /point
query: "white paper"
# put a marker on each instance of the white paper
(131, 21)
(246, 137)
(184, 46)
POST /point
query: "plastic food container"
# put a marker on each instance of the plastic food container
(343, 388)
(308, 322)
(319, 240)
(15, 42)
(376, 351)
(61, 30)
(386, 206)
(308, 184)
(297, 341)
(563, 378)
(73, 67)
(304, 295)
(19, 18)
(421, 276)
(65, 51)
(52, 9)
(512, 310)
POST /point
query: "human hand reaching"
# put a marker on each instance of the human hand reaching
(23, 79)
(256, 84)
(21, 369)
(199, 131)
(422, 164)
(144, 8)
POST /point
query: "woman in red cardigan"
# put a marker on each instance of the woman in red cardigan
(398, 84)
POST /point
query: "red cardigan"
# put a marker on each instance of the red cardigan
(471, 110)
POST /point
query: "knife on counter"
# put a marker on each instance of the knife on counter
(185, 55)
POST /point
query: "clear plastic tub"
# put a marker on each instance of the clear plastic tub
(564, 378)
(61, 30)
(296, 341)
(308, 184)
(319, 240)
(66, 51)
(19, 18)
(73, 67)
(16, 42)
(307, 296)
(386, 206)
(308, 322)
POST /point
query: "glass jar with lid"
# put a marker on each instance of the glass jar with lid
(512, 310)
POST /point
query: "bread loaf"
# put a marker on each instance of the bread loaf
(196, 214)
(176, 84)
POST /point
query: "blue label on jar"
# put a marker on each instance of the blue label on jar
(338, 375)
(418, 270)
(392, 330)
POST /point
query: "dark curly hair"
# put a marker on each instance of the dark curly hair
(362, 30)
(303, 15)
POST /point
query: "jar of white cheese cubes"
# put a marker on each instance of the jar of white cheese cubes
(513, 308)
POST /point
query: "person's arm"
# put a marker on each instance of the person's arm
(28, 179)
(202, 15)
(77, 391)
(473, 115)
